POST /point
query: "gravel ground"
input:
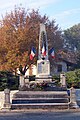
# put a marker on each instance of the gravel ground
(41, 115)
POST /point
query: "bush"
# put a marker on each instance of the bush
(73, 78)
(57, 79)
(8, 80)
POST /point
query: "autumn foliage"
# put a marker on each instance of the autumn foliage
(19, 31)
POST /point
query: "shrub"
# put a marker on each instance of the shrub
(73, 78)
(7, 79)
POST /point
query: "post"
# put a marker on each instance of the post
(21, 81)
(7, 104)
(73, 103)
(63, 80)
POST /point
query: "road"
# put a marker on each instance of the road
(41, 115)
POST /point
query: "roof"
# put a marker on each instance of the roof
(67, 56)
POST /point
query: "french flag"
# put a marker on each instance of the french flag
(51, 52)
(33, 52)
(43, 51)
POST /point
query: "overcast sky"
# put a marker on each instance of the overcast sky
(65, 12)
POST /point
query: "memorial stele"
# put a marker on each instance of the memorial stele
(43, 64)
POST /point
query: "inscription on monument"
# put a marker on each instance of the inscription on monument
(43, 68)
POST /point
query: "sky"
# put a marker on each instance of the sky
(66, 13)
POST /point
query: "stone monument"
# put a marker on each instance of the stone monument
(40, 96)
(43, 64)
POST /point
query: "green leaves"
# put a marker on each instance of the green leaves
(7, 79)
(72, 37)
(73, 77)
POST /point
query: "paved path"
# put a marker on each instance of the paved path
(40, 115)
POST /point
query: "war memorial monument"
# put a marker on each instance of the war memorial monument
(41, 93)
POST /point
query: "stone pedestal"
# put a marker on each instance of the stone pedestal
(73, 103)
(7, 104)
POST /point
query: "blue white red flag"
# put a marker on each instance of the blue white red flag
(43, 51)
(51, 52)
(32, 54)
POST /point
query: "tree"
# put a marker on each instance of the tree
(72, 41)
(72, 38)
(19, 31)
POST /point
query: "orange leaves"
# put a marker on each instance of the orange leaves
(19, 32)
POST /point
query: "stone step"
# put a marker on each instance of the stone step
(39, 100)
(41, 106)
(41, 94)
